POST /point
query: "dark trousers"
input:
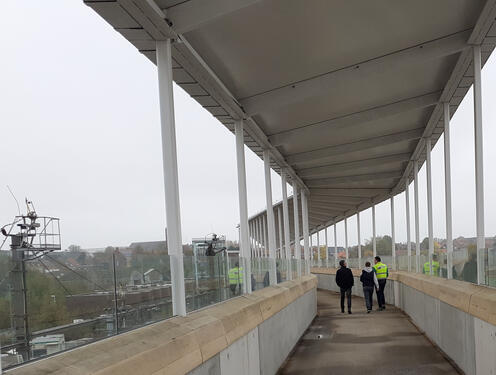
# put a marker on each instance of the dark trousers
(348, 297)
(368, 292)
(380, 293)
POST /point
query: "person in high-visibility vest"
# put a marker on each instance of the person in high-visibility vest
(435, 266)
(382, 273)
(235, 278)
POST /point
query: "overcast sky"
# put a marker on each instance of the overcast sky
(80, 136)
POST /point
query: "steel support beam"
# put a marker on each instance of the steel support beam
(407, 213)
(327, 247)
(374, 239)
(325, 128)
(335, 247)
(193, 14)
(417, 225)
(296, 222)
(346, 239)
(285, 212)
(359, 241)
(327, 152)
(271, 230)
(479, 170)
(169, 154)
(447, 188)
(319, 85)
(306, 236)
(428, 148)
(393, 237)
(325, 171)
(244, 245)
(361, 193)
(323, 182)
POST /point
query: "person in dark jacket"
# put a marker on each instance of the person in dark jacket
(369, 281)
(345, 281)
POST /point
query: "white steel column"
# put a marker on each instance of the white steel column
(271, 230)
(306, 237)
(479, 170)
(312, 256)
(259, 237)
(407, 211)
(279, 222)
(327, 248)
(296, 218)
(359, 241)
(417, 229)
(447, 188)
(335, 247)
(318, 251)
(374, 240)
(285, 214)
(264, 235)
(169, 154)
(393, 237)
(428, 148)
(244, 245)
(346, 238)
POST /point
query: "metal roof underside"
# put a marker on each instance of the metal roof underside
(341, 92)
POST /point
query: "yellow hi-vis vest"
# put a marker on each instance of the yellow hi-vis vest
(381, 270)
(235, 275)
(435, 268)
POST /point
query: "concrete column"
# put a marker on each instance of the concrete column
(479, 170)
(169, 154)
(270, 219)
(244, 245)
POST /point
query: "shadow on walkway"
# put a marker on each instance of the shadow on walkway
(384, 342)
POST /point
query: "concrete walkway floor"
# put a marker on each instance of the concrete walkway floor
(384, 342)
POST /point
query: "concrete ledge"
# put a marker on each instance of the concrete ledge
(476, 300)
(177, 345)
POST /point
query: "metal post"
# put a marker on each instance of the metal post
(359, 241)
(116, 310)
(447, 189)
(271, 230)
(312, 254)
(416, 204)
(335, 247)
(346, 238)
(479, 170)
(327, 248)
(428, 148)
(374, 241)
(169, 153)
(319, 260)
(264, 237)
(279, 222)
(244, 245)
(296, 219)
(306, 237)
(407, 211)
(393, 237)
(285, 213)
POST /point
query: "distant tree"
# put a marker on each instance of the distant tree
(74, 248)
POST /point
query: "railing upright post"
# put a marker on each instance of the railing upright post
(169, 153)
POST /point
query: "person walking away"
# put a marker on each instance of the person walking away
(345, 281)
(435, 266)
(381, 272)
(235, 278)
(369, 280)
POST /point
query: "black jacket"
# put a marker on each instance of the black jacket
(344, 278)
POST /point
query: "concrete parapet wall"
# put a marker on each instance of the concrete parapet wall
(458, 317)
(242, 335)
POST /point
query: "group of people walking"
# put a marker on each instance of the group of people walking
(371, 278)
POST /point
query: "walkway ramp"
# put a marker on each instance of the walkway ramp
(383, 342)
